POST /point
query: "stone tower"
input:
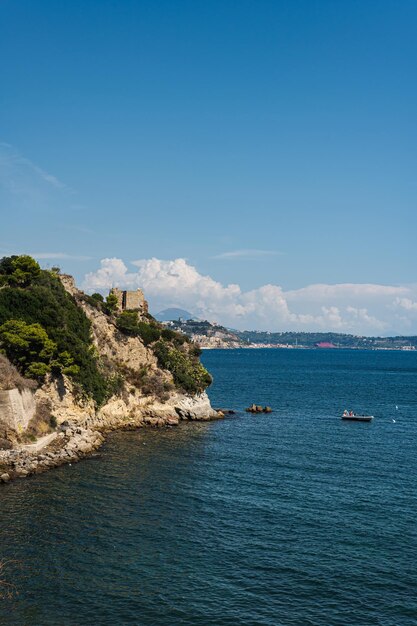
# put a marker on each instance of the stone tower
(130, 300)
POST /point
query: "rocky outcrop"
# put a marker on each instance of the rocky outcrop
(136, 411)
(66, 404)
(70, 444)
(112, 345)
(80, 424)
(257, 408)
(131, 407)
(194, 408)
(79, 438)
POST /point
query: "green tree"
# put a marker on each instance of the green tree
(187, 371)
(111, 302)
(37, 370)
(46, 302)
(27, 346)
(127, 322)
(64, 363)
(97, 296)
(25, 270)
(6, 269)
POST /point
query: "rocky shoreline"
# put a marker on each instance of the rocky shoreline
(73, 442)
(71, 445)
(55, 420)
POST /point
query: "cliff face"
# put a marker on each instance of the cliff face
(17, 408)
(131, 406)
(67, 423)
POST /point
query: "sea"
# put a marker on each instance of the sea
(293, 518)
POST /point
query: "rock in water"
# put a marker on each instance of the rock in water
(257, 408)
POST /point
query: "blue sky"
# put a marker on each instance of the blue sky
(266, 143)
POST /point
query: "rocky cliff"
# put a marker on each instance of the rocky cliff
(17, 408)
(59, 422)
(131, 404)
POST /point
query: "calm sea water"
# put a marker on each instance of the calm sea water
(293, 518)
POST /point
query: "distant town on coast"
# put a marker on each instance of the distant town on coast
(212, 335)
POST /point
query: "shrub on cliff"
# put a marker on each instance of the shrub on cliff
(172, 349)
(129, 324)
(172, 335)
(150, 382)
(111, 303)
(96, 300)
(188, 373)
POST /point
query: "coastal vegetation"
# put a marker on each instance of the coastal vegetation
(173, 350)
(128, 322)
(44, 330)
(189, 374)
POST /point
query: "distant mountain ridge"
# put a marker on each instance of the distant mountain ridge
(174, 314)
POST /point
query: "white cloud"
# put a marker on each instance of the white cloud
(112, 273)
(341, 291)
(405, 303)
(245, 254)
(351, 308)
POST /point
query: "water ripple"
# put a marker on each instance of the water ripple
(294, 518)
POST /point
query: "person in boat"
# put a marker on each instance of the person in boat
(350, 413)
(345, 413)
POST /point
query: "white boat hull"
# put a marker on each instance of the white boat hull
(358, 418)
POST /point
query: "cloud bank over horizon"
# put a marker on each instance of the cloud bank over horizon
(363, 309)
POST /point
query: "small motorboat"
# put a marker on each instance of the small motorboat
(355, 417)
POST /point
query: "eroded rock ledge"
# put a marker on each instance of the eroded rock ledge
(78, 439)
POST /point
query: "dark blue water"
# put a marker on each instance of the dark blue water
(294, 518)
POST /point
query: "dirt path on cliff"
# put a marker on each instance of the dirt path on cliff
(40, 443)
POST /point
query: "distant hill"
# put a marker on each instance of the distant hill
(320, 340)
(209, 335)
(174, 314)
(206, 334)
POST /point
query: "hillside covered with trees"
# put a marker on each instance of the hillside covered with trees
(45, 330)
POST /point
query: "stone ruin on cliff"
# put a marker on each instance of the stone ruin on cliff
(130, 300)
